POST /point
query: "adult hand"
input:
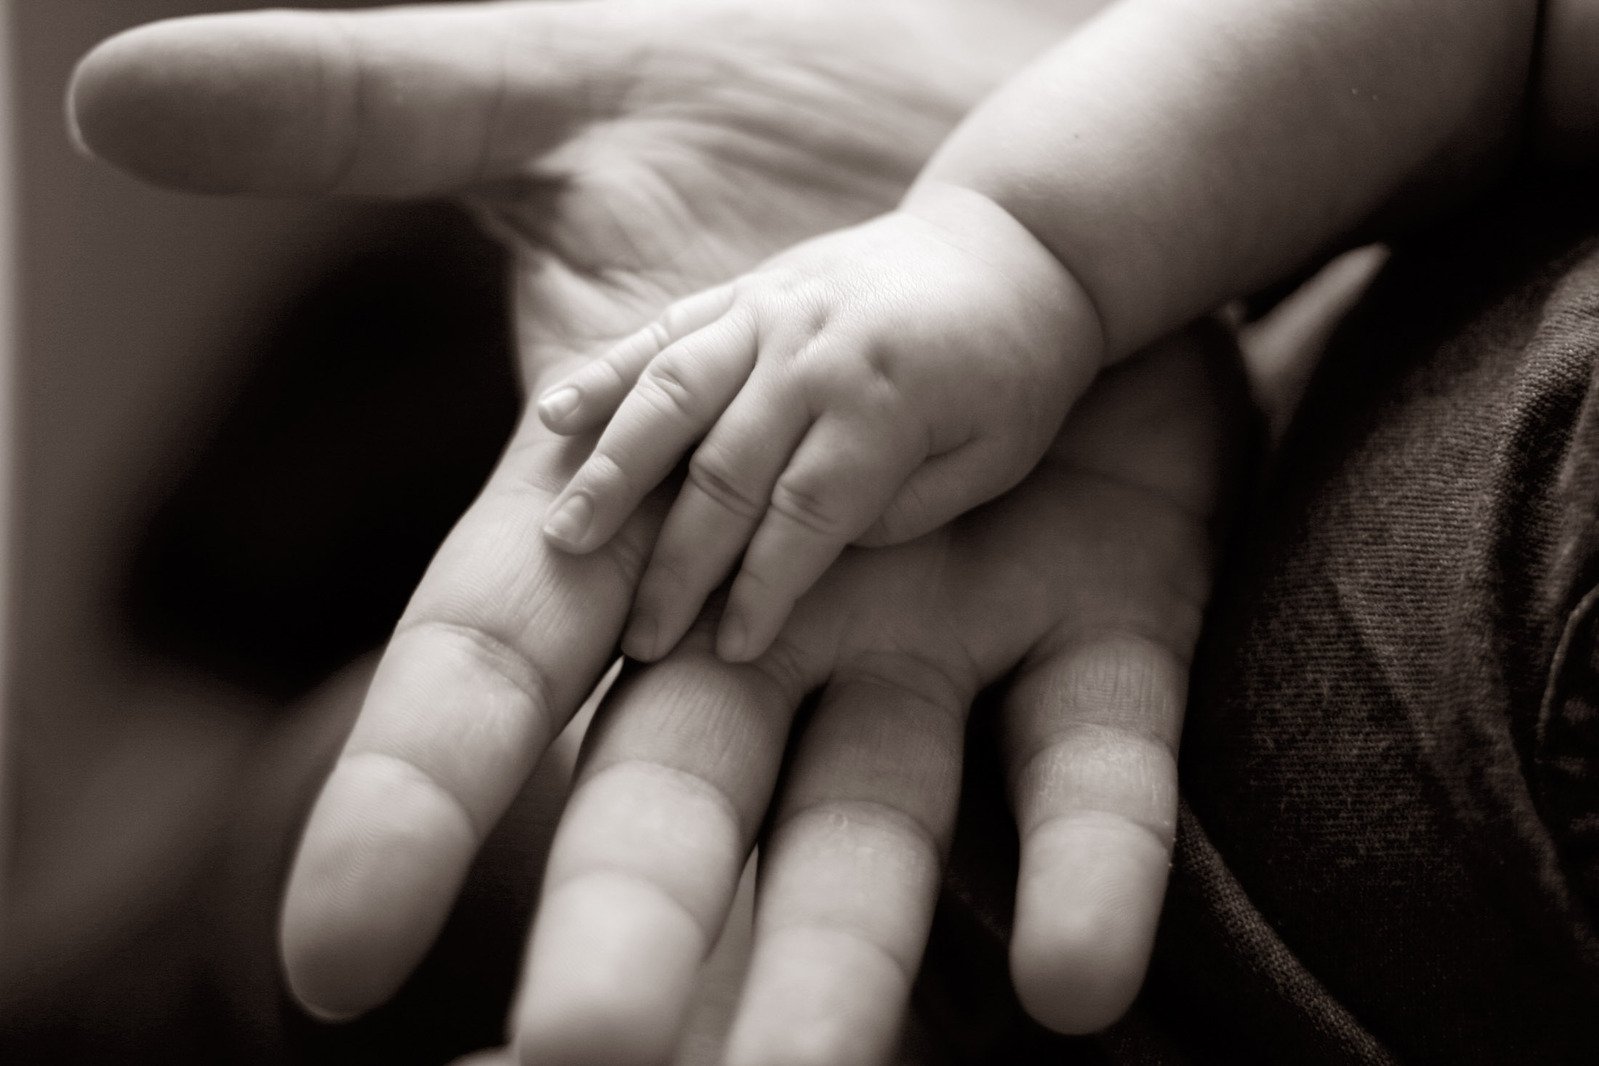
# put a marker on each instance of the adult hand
(632, 153)
(1085, 585)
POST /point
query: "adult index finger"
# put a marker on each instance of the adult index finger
(500, 643)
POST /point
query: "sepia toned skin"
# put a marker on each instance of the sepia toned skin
(505, 633)
(870, 385)
(583, 153)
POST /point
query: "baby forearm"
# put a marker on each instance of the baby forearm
(1176, 153)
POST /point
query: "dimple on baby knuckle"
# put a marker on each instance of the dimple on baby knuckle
(811, 506)
(830, 377)
(664, 384)
(880, 363)
(716, 479)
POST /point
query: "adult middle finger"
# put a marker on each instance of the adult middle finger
(502, 640)
(676, 775)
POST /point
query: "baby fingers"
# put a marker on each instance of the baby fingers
(589, 395)
(679, 395)
(729, 482)
(841, 477)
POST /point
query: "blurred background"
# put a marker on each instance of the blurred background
(233, 433)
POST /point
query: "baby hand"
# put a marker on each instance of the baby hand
(869, 385)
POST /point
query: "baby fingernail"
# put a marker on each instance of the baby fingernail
(570, 521)
(559, 403)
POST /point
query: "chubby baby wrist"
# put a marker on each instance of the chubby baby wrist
(984, 227)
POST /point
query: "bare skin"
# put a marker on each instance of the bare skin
(508, 635)
(881, 380)
(586, 159)
(870, 385)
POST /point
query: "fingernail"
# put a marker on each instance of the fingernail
(732, 638)
(559, 403)
(570, 522)
(639, 640)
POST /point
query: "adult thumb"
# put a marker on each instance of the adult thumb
(402, 102)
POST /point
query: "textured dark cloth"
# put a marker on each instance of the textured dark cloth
(1389, 842)
(1392, 764)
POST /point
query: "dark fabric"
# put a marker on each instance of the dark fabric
(1390, 769)
(1389, 842)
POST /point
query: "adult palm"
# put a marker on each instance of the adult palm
(630, 153)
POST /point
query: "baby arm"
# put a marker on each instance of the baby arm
(1174, 154)
(1170, 156)
(872, 383)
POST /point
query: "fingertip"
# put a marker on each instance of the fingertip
(1088, 901)
(569, 525)
(1075, 984)
(817, 998)
(898, 526)
(754, 616)
(70, 107)
(328, 971)
(322, 1014)
(317, 959)
(639, 639)
(608, 977)
(560, 408)
(733, 644)
(555, 541)
(667, 603)
(218, 103)
(380, 862)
